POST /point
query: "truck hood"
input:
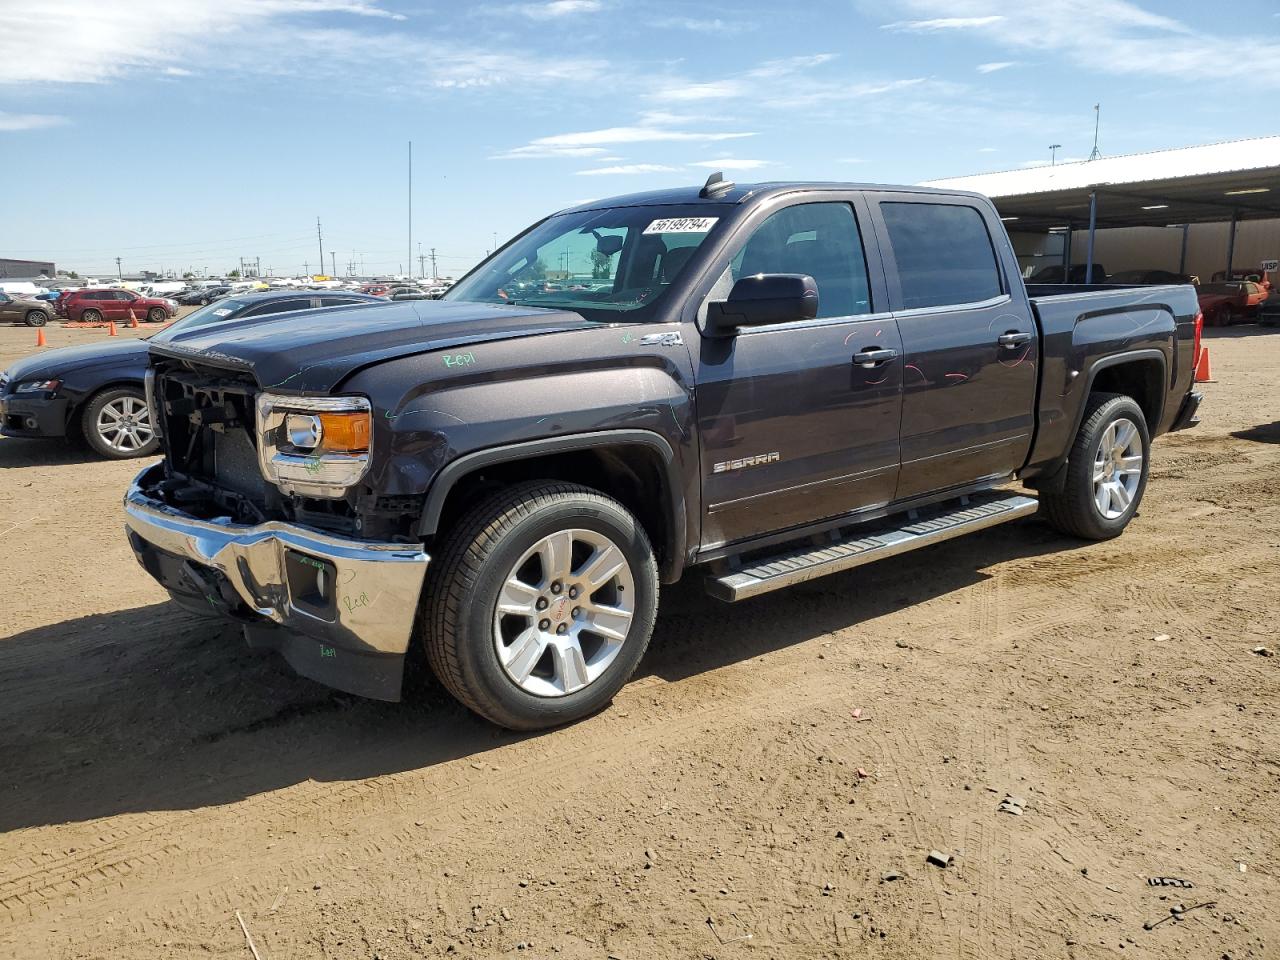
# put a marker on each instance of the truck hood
(313, 351)
(56, 363)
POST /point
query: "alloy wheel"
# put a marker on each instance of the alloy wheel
(1117, 468)
(564, 612)
(124, 424)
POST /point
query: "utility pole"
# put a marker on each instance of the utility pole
(320, 238)
(422, 270)
(257, 266)
(119, 272)
(306, 268)
(435, 274)
(333, 259)
(411, 206)
(1053, 153)
(1097, 121)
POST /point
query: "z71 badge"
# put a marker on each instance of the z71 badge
(758, 460)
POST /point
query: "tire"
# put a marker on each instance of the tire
(37, 318)
(91, 316)
(125, 406)
(204, 301)
(1077, 510)
(157, 315)
(510, 537)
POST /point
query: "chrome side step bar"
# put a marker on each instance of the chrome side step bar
(909, 531)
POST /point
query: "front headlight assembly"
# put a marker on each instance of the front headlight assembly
(313, 446)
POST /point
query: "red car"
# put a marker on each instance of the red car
(111, 304)
(1226, 303)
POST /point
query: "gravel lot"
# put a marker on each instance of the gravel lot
(157, 777)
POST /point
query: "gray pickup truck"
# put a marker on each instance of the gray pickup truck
(763, 384)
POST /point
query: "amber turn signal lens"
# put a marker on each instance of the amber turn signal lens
(345, 432)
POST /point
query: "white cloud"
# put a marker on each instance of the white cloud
(730, 163)
(643, 134)
(988, 150)
(548, 152)
(627, 169)
(12, 122)
(711, 90)
(86, 41)
(555, 9)
(706, 25)
(941, 23)
(998, 65)
(1107, 37)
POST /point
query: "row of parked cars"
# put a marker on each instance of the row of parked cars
(94, 393)
(89, 305)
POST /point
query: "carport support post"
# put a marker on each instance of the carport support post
(1231, 242)
(1093, 226)
(1182, 259)
(1066, 254)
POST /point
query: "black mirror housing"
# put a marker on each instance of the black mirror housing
(762, 299)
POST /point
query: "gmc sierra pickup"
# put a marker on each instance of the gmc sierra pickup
(767, 383)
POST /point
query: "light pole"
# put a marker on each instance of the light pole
(1053, 153)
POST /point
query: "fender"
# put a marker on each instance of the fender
(673, 496)
(1052, 475)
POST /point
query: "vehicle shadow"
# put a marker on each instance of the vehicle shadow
(18, 452)
(1239, 331)
(155, 709)
(1262, 433)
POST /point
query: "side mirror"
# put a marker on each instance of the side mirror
(609, 245)
(763, 299)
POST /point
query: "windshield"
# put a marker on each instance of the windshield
(214, 312)
(607, 265)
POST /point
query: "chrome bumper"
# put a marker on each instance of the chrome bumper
(353, 594)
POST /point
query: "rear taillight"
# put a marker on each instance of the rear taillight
(1195, 347)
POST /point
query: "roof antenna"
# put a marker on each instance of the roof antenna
(715, 186)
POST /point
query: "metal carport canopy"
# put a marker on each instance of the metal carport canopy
(1239, 179)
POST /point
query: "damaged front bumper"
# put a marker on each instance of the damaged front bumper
(339, 610)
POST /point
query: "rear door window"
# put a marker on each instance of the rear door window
(943, 253)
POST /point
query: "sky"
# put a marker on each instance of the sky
(186, 134)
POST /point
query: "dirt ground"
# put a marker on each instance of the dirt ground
(156, 778)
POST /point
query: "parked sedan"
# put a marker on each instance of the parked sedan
(95, 392)
(28, 310)
(202, 295)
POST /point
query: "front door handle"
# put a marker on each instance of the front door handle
(1013, 338)
(874, 356)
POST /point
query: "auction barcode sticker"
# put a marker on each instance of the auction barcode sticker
(682, 225)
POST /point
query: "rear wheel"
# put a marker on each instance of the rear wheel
(37, 318)
(91, 316)
(1107, 470)
(117, 424)
(540, 604)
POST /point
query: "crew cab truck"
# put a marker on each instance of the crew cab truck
(758, 385)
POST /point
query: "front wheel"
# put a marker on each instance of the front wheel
(157, 315)
(1107, 470)
(117, 424)
(540, 604)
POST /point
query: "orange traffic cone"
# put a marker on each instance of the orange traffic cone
(111, 328)
(40, 340)
(1202, 367)
(133, 320)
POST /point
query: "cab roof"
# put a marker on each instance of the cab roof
(739, 193)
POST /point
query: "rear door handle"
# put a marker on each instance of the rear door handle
(1013, 338)
(874, 356)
